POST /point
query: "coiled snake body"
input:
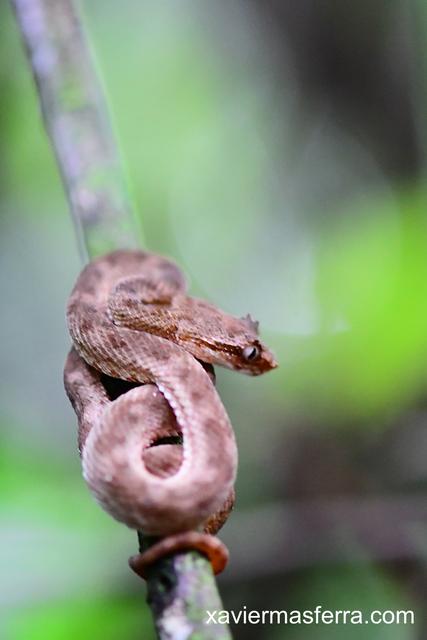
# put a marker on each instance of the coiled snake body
(130, 318)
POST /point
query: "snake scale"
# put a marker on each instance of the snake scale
(130, 318)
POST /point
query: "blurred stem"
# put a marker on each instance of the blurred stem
(181, 588)
(76, 119)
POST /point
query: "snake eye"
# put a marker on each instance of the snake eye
(250, 353)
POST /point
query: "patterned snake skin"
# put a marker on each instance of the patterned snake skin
(130, 318)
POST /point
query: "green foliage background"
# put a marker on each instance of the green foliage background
(292, 221)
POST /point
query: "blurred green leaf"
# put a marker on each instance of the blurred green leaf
(370, 356)
(107, 619)
(43, 499)
(30, 176)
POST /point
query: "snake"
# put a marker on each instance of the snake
(140, 373)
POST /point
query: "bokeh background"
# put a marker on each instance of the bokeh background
(276, 150)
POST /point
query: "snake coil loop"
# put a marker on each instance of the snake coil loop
(157, 447)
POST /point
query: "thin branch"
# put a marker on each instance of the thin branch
(76, 119)
(181, 588)
(181, 591)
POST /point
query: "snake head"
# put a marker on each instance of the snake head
(248, 354)
(214, 336)
(229, 342)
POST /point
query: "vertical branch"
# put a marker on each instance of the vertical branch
(181, 592)
(77, 122)
(181, 588)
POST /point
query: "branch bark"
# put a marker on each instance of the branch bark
(76, 119)
(181, 591)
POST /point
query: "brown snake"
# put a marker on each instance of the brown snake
(130, 318)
